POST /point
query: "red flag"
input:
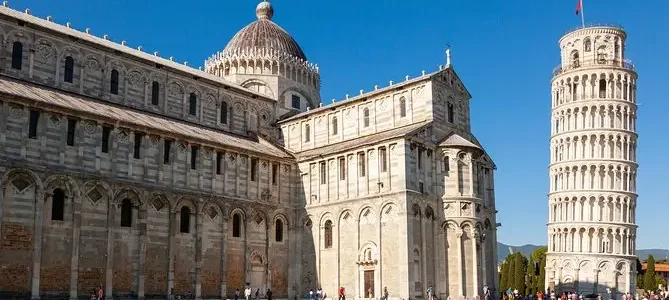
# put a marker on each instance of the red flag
(579, 6)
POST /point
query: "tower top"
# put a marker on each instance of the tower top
(264, 10)
(601, 29)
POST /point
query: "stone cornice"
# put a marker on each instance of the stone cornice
(592, 161)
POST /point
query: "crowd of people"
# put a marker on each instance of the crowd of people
(515, 295)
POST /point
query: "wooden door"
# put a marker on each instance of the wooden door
(369, 284)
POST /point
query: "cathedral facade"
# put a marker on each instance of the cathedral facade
(146, 177)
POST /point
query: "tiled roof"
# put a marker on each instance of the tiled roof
(378, 91)
(127, 116)
(112, 46)
(458, 141)
(659, 267)
(361, 141)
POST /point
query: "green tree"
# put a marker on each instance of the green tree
(541, 281)
(539, 256)
(531, 277)
(520, 267)
(640, 273)
(649, 282)
(503, 273)
(510, 277)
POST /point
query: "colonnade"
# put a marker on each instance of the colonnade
(608, 240)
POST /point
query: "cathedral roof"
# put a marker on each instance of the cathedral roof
(362, 141)
(455, 140)
(264, 36)
(127, 117)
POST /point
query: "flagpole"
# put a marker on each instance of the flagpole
(582, 15)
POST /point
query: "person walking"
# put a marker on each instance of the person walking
(236, 294)
(342, 294)
(385, 293)
(269, 294)
(100, 293)
(247, 292)
(430, 293)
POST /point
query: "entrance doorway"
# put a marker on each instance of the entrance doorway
(369, 284)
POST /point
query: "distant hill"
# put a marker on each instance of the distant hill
(503, 251)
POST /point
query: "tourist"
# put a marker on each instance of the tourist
(342, 294)
(311, 294)
(247, 292)
(269, 294)
(257, 293)
(385, 293)
(430, 293)
(100, 293)
(236, 294)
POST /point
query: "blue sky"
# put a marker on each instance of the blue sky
(504, 51)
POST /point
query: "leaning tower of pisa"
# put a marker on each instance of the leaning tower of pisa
(593, 168)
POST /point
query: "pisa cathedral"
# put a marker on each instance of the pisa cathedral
(147, 177)
(592, 199)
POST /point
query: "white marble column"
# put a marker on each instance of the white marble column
(475, 263)
(458, 235)
(484, 263)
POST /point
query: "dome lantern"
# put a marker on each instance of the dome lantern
(264, 10)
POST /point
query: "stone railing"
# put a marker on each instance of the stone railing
(625, 64)
(593, 25)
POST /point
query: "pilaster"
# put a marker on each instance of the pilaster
(37, 246)
(198, 256)
(74, 259)
(109, 272)
(224, 254)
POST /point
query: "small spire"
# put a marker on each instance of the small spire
(448, 55)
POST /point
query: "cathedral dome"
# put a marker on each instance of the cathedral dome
(264, 36)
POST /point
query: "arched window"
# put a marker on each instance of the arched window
(365, 117)
(335, 126)
(155, 93)
(403, 107)
(69, 70)
(184, 227)
(17, 55)
(450, 112)
(278, 230)
(602, 88)
(307, 133)
(192, 104)
(236, 225)
(231, 116)
(58, 205)
(224, 113)
(447, 164)
(587, 44)
(575, 59)
(126, 213)
(328, 234)
(616, 49)
(601, 54)
(113, 84)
